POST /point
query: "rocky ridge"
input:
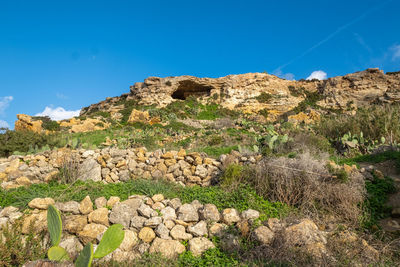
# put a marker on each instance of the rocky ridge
(241, 91)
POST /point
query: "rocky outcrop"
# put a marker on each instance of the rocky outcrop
(360, 89)
(25, 123)
(82, 126)
(74, 125)
(243, 91)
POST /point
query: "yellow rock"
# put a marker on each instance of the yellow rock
(302, 117)
(86, 205)
(147, 234)
(154, 120)
(37, 222)
(3, 177)
(25, 123)
(168, 155)
(51, 176)
(99, 216)
(41, 203)
(139, 116)
(112, 201)
(181, 152)
(24, 181)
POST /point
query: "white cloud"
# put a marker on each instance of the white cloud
(58, 113)
(318, 74)
(4, 103)
(4, 124)
(396, 52)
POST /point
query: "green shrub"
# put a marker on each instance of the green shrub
(296, 92)
(47, 123)
(215, 140)
(232, 175)
(21, 141)
(264, 97)
(264, 112)
(377, 195)
(310, 101)
(375, 123)
(212, 257)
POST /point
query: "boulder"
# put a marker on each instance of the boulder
(230, 216)
(210, 213)
(89, 170)
(188, 213)
(99, 216)
(178, 232)
(198, 245)
(130, 240)
(69, 207)
(75, 223)
(199, 229)
(168, 248)
(264, 235)
(86, 206)
(91, 232)
(40, 203)
(147, 234)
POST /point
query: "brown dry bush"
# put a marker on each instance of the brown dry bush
(305, 183)
(69, 170)
(16, 249)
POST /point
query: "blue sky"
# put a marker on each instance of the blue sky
(69, 54)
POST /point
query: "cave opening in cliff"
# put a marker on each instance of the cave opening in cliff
(190, 88)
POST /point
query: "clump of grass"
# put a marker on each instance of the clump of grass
(214, 151)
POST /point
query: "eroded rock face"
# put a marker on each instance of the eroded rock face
(360, 89)
(241, 91)
(25, 123)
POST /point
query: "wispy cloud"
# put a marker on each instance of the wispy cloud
(61, 96)
(362, 42)
(280, 74)
(4, 103)
(334, 33)
(58, 113)
(395, 49)
(318, 74)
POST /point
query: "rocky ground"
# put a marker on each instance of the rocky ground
(243, 170)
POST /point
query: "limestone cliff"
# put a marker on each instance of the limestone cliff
(243, 91)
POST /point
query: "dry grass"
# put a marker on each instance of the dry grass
(69, 170)
(305, 183)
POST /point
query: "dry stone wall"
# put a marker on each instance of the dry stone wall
(158, 225)
(112, 165)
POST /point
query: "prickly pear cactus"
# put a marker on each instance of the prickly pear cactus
(111, 240)
(85, 257)
(54, 225)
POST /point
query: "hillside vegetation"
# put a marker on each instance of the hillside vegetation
(318, 186)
